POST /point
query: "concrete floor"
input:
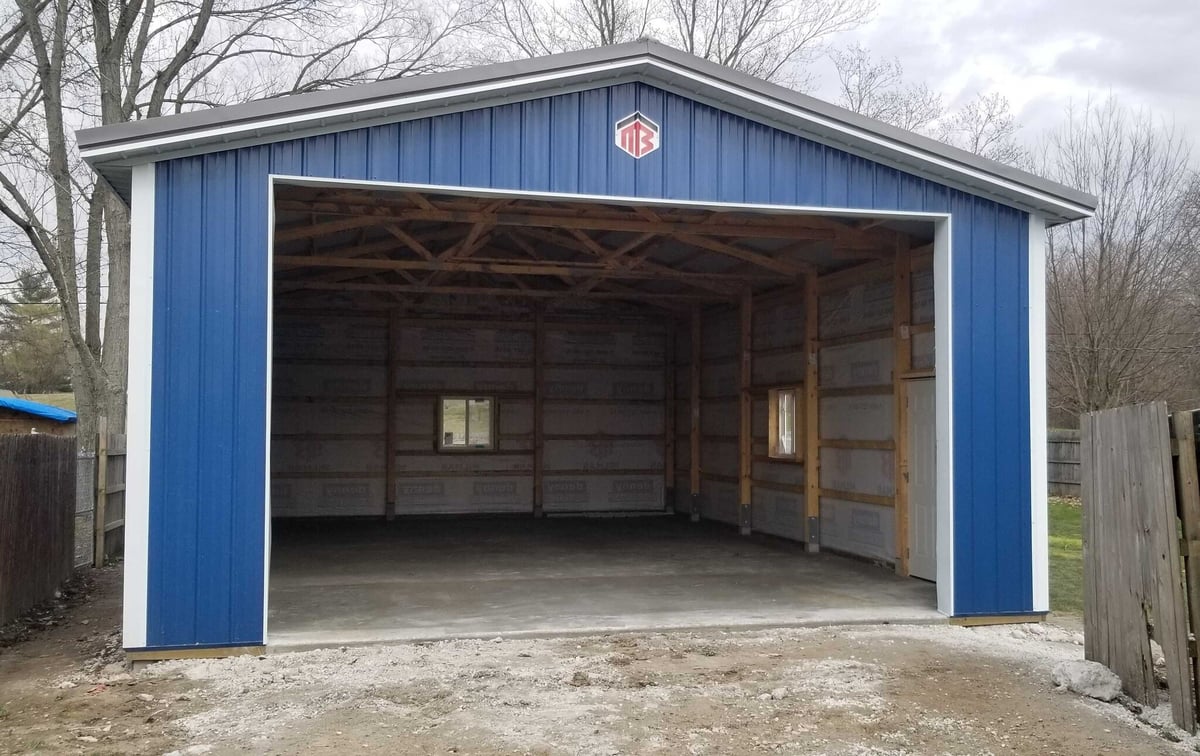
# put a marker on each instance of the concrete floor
(363, 582)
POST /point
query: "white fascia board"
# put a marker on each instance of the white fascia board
(361, 114)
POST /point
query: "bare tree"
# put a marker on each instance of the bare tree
(1116, 310)
(986, 127)
(877, 89)
(66, 64)
(529, 28)
(764, 38)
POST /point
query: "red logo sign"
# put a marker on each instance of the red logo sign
(637, 135)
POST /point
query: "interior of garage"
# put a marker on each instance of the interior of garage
(519, 414)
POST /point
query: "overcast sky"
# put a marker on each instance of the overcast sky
(1043, 53)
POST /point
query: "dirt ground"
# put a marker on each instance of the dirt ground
(850, 690)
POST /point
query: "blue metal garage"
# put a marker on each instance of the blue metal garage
(788, 246)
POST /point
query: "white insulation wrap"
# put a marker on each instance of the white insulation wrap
(863, 529)
(866, 363)
(463, 495)
(329, 424)
(779, 513)
(857, 309)
(864, 471)
(859, 418)
(603, 493)
(302, 497)
(454, 344)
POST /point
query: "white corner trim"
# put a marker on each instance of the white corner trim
(943, 286)
(137, 428)
(270, 356)
(1038, 474)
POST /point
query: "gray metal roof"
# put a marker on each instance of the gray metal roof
(112, 150)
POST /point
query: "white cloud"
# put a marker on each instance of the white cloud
(1043, 54)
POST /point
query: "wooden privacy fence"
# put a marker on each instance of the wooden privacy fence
(1141, 579)
(110, 494)
(37, 519)
(1062, 456)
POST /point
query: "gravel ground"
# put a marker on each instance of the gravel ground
(850, 690)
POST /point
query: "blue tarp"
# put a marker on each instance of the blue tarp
(47, 411)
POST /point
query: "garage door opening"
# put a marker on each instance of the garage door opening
(496, 413)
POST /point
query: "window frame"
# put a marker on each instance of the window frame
(493, 415)
(799, 428)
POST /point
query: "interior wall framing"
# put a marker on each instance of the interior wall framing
(602, 424)
(855, 422)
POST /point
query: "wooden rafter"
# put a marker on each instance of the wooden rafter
(507, 267)
(583, 220)
(631, 294)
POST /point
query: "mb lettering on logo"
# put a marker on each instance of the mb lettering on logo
(637, 135)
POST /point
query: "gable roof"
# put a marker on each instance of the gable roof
(47, 411)
(113, 150)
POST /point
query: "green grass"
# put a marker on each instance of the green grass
(1066, 556)
(63, 401)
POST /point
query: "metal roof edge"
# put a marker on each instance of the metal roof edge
(109, 147)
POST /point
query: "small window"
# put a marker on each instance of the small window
(466, 424)
(785, 424)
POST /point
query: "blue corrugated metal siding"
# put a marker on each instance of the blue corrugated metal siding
(209, 388)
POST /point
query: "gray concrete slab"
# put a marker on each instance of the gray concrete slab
(366, 582)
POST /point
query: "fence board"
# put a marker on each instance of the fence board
(110, 495)
(1113, 569)
(1132, 571)
(1170, 617)
(37, 515)
(1062, 458)
(1187, 481)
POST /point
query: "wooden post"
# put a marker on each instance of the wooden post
(539, 397)
(389, 443)
(694, 398)
(669, 420)
(1187, 478)
(902, 349)
(745, 409)
(99, 513)
(812, 415)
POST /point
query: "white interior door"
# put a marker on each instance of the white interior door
(922, 478)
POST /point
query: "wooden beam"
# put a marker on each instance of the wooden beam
(745, 409)
(389, 444)
(785, 267)
(812, 414)
(669, 418)
(694, 398)
(502, 266)
(581, 218)
(493, 291)
(539, 402)
(717, 285)
(902, 351)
